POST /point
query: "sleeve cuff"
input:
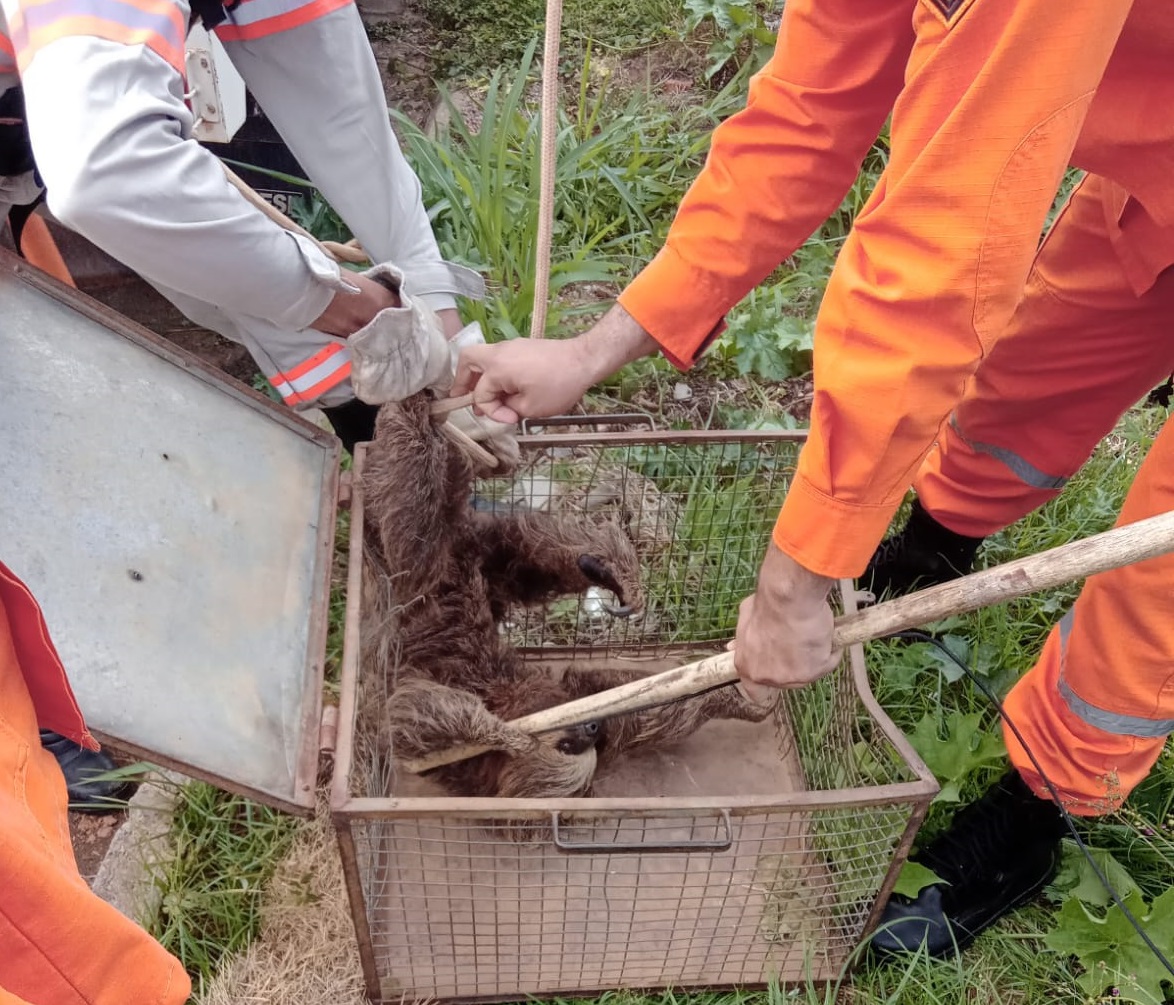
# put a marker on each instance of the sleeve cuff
(674, 303)
(326, 280)
(426, 279)
(828, 536)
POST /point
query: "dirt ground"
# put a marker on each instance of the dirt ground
(91, 835)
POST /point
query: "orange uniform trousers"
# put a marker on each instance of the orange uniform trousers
(59, 943)
(1082, 347)
(988, 102)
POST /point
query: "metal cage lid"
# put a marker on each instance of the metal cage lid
(177, 530)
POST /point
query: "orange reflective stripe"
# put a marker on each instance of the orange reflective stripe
(328, 382)
(258, 18)
(7, 55)
(314, 376)
(319, 357)
(157, 24)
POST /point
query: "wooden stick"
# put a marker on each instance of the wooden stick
(1112, 549)
(446, 405)
(468, 444)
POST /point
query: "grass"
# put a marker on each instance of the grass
(475, 34)
(226, 848)
(620, 169)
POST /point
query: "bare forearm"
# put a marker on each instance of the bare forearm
(611, 344)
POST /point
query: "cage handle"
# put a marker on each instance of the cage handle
(621, 419)
(643, 847)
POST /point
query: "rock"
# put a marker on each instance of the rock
(536, 492)
(380, 10)
(126, 878)
(682, 392)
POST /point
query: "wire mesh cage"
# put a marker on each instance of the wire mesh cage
(746, 853)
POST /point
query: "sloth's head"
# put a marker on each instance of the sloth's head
(561, 763)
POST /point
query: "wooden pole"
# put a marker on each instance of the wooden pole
(1112, 549)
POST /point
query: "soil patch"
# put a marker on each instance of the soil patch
(91, 834)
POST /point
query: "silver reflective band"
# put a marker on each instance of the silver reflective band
(1023, 470)
(1115, 722)
(1110, 722)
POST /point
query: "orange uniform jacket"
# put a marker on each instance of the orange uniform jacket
(59, 943)
(990, 101)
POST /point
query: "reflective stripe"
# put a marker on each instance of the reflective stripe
(314, 361)
(315, 376)
(1099, 718)
(7, 55)
(258, 18)
(157, 24)
(1022, 469)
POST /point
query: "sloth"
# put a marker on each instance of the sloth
(443, 576)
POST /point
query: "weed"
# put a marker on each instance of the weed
(619, 174)
(487, 33)
(764, 338)
(226, 848)
(742, 35)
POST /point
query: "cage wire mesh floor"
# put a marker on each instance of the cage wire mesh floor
(746, 853)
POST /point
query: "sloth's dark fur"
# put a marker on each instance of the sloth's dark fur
(443, 576)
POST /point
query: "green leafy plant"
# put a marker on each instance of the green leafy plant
(742, 33)
(618, 176)
(1077, 878)
(913, 878)
(763, 339)
(954, 746)
(226, 847)
(1117, 963)
(479, 34)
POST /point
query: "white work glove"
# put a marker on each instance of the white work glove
(498, 437)
(401, 350)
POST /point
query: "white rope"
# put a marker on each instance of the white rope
(554, 18)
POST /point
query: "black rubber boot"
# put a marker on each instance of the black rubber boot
(79, 765)
(997, 854)
(353, 422)
(923, 554)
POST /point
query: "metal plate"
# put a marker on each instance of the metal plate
(177, 530)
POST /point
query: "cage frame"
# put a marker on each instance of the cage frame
(348, 810)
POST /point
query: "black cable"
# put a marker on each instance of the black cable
(982, 685)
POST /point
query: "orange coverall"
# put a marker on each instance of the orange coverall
(59, 943)
(940, 303)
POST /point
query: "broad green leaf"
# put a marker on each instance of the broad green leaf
(1111, 951)
(913, 878)
(966, 746)
(948, 668)
(1076, 877)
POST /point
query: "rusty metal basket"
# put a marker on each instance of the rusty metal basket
(748, 853)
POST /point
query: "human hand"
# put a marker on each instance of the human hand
(535, 377)
(499, 437)
(347, 312)
(524, 376)
(784, 636)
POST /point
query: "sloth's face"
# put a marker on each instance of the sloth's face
(578, 739)
(562, 764)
